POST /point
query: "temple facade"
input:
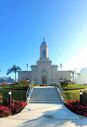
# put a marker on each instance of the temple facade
(44, 72)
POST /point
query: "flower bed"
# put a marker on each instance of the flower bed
(13, 108)
(4, 111)
(76, 107)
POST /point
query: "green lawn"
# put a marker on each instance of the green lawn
(72, 94)
(74, 87)
(72, 91)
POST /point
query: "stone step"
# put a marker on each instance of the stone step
(44, 101)
(45, 95)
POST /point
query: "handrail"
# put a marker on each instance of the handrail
(29, 90)
(61, 92)
(27, 93)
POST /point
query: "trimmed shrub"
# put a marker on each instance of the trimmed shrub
(13, 108)
(65, 83)
(17, 106)
(76, 107)
(4, 111)
(24, 82)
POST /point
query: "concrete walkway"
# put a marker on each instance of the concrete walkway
(44, 115)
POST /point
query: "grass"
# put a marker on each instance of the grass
(74, 86)
(72, 91)
(72, 95)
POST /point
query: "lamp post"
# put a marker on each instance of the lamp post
(10, 97)
(81, 94)
(28, 82)
(27, 66)
(61, 70)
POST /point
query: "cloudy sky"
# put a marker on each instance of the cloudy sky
(24, 23)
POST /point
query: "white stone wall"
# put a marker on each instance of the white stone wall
(53, 74)
(65, 75)
(24, 75)
(34, 73)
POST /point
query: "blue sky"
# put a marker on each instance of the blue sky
(24, 23)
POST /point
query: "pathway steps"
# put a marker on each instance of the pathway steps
(45, 95)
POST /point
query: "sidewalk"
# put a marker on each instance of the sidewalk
(44, 115)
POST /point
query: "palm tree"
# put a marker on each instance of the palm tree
(73, 74)
(14, 69)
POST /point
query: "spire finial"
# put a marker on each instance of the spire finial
(43, 39)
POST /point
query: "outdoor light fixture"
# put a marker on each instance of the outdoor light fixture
(9, 97)
(27, 80)
(81, 92)
(81, 96)
(9, 92)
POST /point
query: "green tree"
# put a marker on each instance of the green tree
(14, 69)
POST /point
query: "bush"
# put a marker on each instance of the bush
(13, 108)
(76, 107)
(4, 111)
(24, 82)
(65, 83)
(17, 106)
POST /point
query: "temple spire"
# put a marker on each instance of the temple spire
(43, 39)
(44, 49)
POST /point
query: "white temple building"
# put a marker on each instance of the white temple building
(44, 72)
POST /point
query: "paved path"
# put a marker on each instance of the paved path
(44, 115)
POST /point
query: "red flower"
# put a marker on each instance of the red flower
(76, 107)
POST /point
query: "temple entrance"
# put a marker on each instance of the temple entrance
(44, 76)
(44, 80)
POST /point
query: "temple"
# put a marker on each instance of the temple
(44, 72)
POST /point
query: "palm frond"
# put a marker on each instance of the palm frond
(14, 68)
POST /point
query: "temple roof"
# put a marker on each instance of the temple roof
(44, 43)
